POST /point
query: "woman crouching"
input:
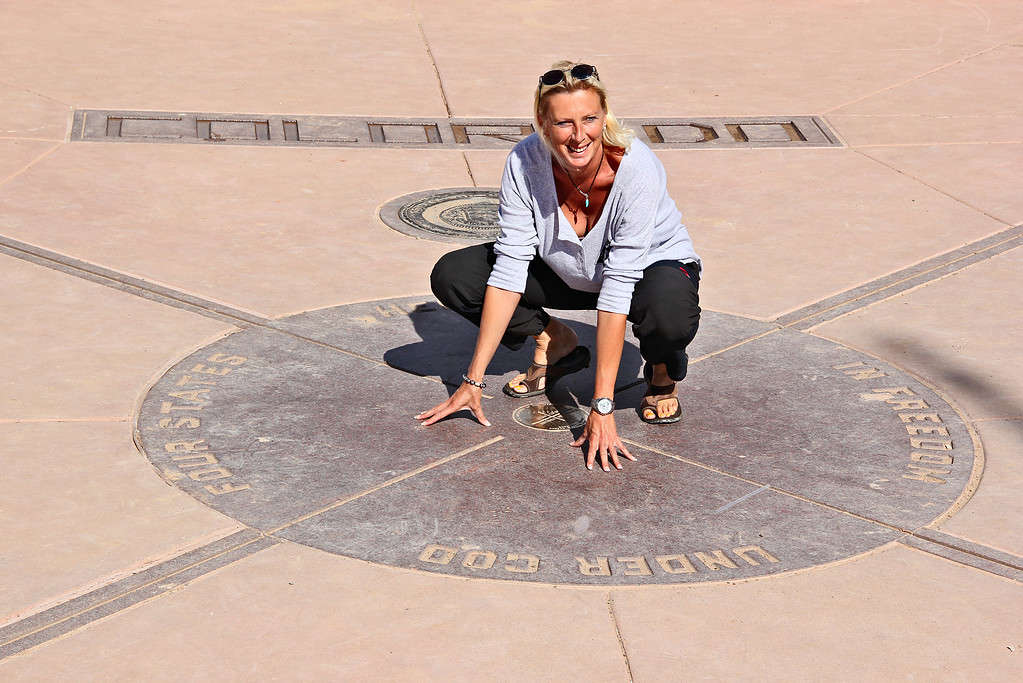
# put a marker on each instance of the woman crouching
(592, 203)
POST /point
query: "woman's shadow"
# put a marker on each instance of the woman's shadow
(448, 342)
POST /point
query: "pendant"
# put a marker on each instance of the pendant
(587, 203)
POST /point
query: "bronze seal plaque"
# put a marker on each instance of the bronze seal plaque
(550, 418)
(466, 214)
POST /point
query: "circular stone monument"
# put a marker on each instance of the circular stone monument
(459, 214)
(794, 451)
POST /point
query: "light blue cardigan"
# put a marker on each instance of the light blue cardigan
(639, 222)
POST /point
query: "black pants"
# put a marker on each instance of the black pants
(665, 310)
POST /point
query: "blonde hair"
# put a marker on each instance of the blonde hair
(615, 134)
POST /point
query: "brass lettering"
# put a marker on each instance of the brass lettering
(635, 566)
(210, 473)
(675, 564)
(742, 553)
(226, 488)
(867, 373)
(715, 559)
(532, 563)
(391, 309)
(168, 406)
(187, 379)
(906, 391)
(859, 370)
(200, 458)
(185, 446)
(919, 417)
(931, 444)
(191, 395)
(932, 458)
(925, 474)
(599, 568)
(886, 394)
(908, 404)
(227, 359)
(927, 429)
(472, 558)
(430, 554)
(199, 367)
(170, 423)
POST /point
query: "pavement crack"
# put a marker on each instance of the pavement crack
(933, 187)
(32, 163)
(36, 93)
(618, 632)
(433, 60)
(835, 109)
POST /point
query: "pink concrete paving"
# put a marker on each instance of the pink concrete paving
(925, 98)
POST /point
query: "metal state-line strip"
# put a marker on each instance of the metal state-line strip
(167, 576)
(899, 281)
(123, 282)
(120, 595)
(971, 555)
(127, 283)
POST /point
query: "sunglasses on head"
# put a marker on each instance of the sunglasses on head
(580, 72)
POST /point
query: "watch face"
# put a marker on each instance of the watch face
(604, 405)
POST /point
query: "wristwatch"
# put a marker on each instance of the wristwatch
(603, 405)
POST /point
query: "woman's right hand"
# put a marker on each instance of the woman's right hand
(466, 396)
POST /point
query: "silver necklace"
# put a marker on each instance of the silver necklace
(590, 188)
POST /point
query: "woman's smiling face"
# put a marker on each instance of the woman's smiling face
(575, 126)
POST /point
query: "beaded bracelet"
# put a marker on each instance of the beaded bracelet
(481, 385)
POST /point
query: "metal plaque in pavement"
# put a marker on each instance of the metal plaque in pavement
(103, 125)
(794, 451)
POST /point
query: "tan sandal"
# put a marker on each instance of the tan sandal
(660, 405)
(534, 379)
(656, 408)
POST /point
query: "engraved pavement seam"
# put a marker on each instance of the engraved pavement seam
(975, 555)
(385, 484)
(762, 485)
(692, 361)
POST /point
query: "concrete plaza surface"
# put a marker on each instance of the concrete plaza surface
(901, 242)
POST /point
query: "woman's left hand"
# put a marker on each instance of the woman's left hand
(602, 434)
